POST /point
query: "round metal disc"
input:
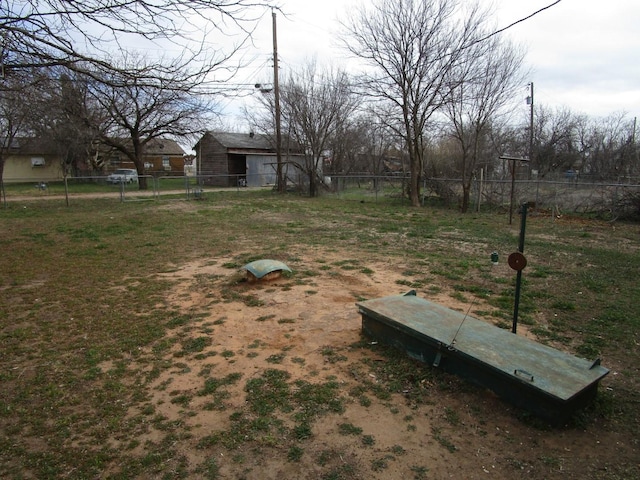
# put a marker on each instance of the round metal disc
(517, 261)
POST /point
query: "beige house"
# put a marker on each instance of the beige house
(35, 160)
(31, 159)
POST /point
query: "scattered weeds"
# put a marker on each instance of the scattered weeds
(349, 429)
(96, 366)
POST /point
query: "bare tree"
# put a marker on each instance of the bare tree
(377, 147)
(609, 147)
(315, 107)
(67, 119)
(556, 144)
(481, 87)
(412, 45)
(85, 35)
(137, 112)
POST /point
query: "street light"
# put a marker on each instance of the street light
(263, 89)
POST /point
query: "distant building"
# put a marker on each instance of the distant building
(32, 159)
(230, 159)
(161, 157)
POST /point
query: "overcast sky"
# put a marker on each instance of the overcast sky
(583, 54)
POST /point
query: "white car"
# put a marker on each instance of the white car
(123, 175)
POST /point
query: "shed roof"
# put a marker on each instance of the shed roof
(243, 140)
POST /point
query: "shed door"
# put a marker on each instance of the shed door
(237, 169)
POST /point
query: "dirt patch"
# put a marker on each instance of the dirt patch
(308, 325)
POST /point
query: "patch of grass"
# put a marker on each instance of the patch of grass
(379, 464)
(302, 431)
(398, 450)
(419, 472)
(349, 429)
(195, 344)
(451, 416)
(211, 385)
(460, 297)
(286, 320)
(332, 356)
(256, 344)
(368, 440)
(276, 358)
(442, 440)
(269, 392)
(316, 399)
(88, 364)
(179, 321)
(564, 305)
(210, 469)
(295, 454)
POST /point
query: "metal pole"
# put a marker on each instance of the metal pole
(276, 90)
(66, 189)
(531, 125)
(513, 181)
(516, 303)
(480, 189)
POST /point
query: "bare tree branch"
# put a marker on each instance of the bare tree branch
(411, 47)
(86, 35)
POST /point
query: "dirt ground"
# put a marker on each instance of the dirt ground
(455, 433)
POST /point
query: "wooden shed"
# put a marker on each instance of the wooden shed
(230, 159)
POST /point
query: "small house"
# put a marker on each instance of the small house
(32, 160)
(161, 157)
(230, 159)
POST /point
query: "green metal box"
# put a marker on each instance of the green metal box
(545, 381)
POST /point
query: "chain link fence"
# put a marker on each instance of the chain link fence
(569, 195)
(78, 188)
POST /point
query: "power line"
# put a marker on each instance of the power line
(513, 24)
(497, 32)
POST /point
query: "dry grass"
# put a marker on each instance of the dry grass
(100, 333)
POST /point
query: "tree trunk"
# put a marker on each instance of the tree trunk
(466, 194)
(312, 184)
(142, 180)
(415, 170)
(414, 185)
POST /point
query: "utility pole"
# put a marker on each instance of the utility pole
(276, 90)
(530, 102)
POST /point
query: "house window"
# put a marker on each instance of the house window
(166, 163)
(37, 162)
